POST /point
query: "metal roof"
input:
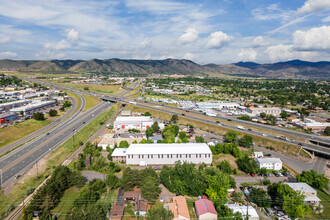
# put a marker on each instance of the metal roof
(269, 160)
(177, 148)
(303, 187)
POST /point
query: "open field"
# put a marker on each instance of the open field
(325, 198)
(191, 204)
(280, 146)
(91, 101)
(109, 89)
(20, 130)
(67, 201)
(55, 158)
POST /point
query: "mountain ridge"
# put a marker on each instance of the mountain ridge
(293, 69)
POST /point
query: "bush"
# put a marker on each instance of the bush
(52, 112)
(29, 190)
(245, 118)
(39, 116)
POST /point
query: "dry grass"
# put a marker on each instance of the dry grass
(91, 101)
(109, 89)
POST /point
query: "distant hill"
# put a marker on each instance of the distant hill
(291, 69)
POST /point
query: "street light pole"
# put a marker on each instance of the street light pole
(1, 178)
(73, 137)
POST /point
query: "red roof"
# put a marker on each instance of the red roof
(204, 206)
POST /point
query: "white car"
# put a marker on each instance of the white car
(265, 135)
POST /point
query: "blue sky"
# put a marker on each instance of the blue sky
(205, 31)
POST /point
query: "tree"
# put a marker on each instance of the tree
(112, 181)
(150, 189)
(225, 167)
(199, 139)
(160, 213)
(175, 119)
(312, 178)
(86, 88)
(246, 141)
(218, 186)
(263, 114)
(147, 114)
(123, 144)
(231, 135)
(149, 132)
(260, 197)
(52, 112)
(39, 116)
(183, 137)
(247, 165)
(67, 104)
(21, 113)
(327, 131)
(155, 126)
(245, 118)
(284, 114)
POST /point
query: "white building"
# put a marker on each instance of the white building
(218, 105)
(119, 154)
(139, 122)
(270, 110)
(269, 163)
(9, 105)
(35, 106)
(309, 193)
(161, 154)
(253, 215)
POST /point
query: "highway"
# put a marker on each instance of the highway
(17, 143)
(24, 157)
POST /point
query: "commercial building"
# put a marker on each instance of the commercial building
(9, 105)
(179, 208)
(309, 193)
(162, 154)
(7, 117)
(218, 105)
(119, 154)
(35, 106)
(253, 215)
(312, 125)
(270, 110)
(269, 163)
(205, 210)
(139, 122)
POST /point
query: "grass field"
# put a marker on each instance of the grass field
(20, 130)
(325, 198)
(190, 204)
(91, 101)
(76, 97)
(67, 200)
(55, 158)
(109, 89)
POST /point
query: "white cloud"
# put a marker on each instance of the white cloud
(155, 6)
(311, 6)
(189, 56)
(259, 42)
(191, 35)
(327, 19)
(247, 55)
(62, 45)
(146, 43)
(8, 54)
(271, 12)
(72, 35)
(312, 39)
(280, 52)
(218, 39)
(5, 40)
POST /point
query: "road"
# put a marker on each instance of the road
(21, 159)
(17, 143)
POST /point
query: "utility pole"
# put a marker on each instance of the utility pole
(1, 178)
(24, 209)
(73, 137)
(37, 170)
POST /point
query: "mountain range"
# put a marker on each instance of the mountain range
(294, 69)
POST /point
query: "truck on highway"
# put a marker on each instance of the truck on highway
(241, 127)
(133, 103)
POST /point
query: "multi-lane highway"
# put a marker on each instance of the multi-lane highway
(17, 143)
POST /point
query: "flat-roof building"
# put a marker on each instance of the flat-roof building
(308, 191)
(218, 105)
(139, 122)
(119, 154)
(269, 163)
(8, 117)
(270, 110)
(9, 105)
(253, 215)
(35, 106)
(162, 154)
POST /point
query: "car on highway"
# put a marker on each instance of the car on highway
(228, 119)
(183, 114)
(47, 133)
(249, 129)
(300, 144)
(265, 135)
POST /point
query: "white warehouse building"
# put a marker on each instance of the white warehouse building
(269, 163)
(162, 154)
(139, 122)
(35, 106)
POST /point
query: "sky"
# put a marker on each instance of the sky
(204, 31)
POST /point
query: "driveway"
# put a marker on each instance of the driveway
(90, 175)
(167, 195)
(259, 179)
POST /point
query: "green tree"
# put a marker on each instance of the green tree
(246, 141)
(147, 114)
(86, 88)
(312, 178)
(218, 186)
(225, 167)
(175, 119)
(199, 139)
(245, 118)
(263, 114)
(150, 189)
(284, 114)
(39, 116)
(112, 181)
(260, 197)
(231, 135)
(123, 144)
(247, 165)
(183, 137)
(327, 131)
(52, 112)
(149, 132)
(160, 213)
(21, 113)
(155, 126)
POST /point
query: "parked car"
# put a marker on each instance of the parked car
(17, 176)
(284, 173)
(252, 174)
(290, 174)
(157, 168)
(268, 155)
(269, 175)
(241, 188)
(276, 174)
(161, 199)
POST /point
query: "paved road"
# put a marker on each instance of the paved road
(90, 175)
(33, 135)
(18, 161)
(259, 179)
